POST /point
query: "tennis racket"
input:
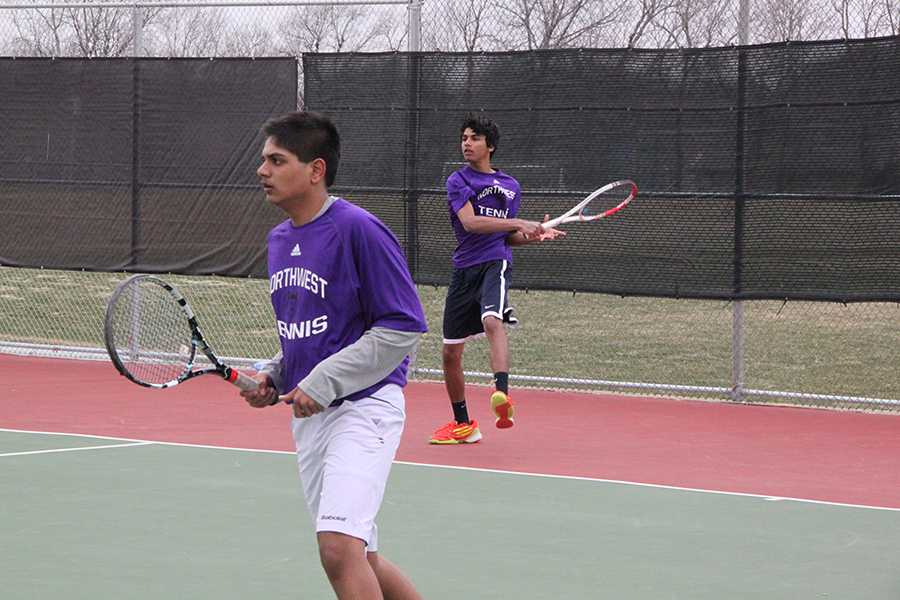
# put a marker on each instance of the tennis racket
(152, 336)
(601, 203)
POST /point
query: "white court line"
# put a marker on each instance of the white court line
(654, 485)
(73, 449)
(500, 472)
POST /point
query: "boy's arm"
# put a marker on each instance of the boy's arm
(272, 368)
(475, 224)
(361, 364)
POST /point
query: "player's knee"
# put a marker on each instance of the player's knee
(452, 355)
(336, 552)
(492, 325)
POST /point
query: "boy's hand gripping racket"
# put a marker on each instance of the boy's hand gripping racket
(602, 202)
(152, 336)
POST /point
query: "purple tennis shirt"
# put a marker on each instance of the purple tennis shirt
(332, 279)
(492, 195)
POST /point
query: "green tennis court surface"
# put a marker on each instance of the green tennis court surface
(170, 521)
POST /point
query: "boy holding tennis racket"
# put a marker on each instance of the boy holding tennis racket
(348, 316)
(483, 203)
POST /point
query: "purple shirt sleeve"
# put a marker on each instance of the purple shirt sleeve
(389, 297)
(458, 192)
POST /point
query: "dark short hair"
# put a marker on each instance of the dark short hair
(308, 135)
(481, 125)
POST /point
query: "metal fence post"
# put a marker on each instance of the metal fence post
(137, 28)
(743, 22)
(137, 25)
(414, 26)
(737, 351)
(737, 308)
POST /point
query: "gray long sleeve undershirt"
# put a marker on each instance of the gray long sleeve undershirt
(361, 364)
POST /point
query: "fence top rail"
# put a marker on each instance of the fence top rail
(202, 4)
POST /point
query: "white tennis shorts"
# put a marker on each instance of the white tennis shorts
(344, 455)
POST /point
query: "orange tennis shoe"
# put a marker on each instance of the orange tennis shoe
(502, 406)
(456, 433)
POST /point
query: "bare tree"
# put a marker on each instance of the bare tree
(189, 32)
(866, 18)
(392, 33)
(649, 12)
(250, 39)
(697, 24)
(892, 16)
(86, 31)
(790, 20)
(40, 32)
(327, 29)
(842, 9)
(460, 25)
(544, 24)
(873, 18)
(450, 25)
(105, 31)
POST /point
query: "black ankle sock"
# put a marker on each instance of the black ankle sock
(501, 382)
(459, 412)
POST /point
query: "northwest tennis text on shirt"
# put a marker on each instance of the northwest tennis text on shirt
(298, 277)
(305, 279)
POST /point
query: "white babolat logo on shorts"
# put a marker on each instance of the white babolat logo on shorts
(296, 250)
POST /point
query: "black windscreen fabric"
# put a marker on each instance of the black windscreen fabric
(147, 165)
(765, 172)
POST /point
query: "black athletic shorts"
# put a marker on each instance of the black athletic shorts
(477, 292)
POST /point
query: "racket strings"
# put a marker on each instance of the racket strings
(151, 334)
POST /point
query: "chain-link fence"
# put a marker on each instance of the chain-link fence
(201, 29)
(807, 353)
(287, 28)
(812, 353)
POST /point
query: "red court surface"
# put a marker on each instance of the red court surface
(842, 457)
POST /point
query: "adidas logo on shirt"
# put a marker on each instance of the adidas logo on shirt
(296, 250)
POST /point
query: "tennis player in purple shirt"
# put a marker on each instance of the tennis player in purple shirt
(348, 317)
(484, 204)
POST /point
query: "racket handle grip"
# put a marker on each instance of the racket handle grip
(248, 384)
(551, 223)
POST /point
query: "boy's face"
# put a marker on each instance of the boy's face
(285, 178)
(474, 146)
